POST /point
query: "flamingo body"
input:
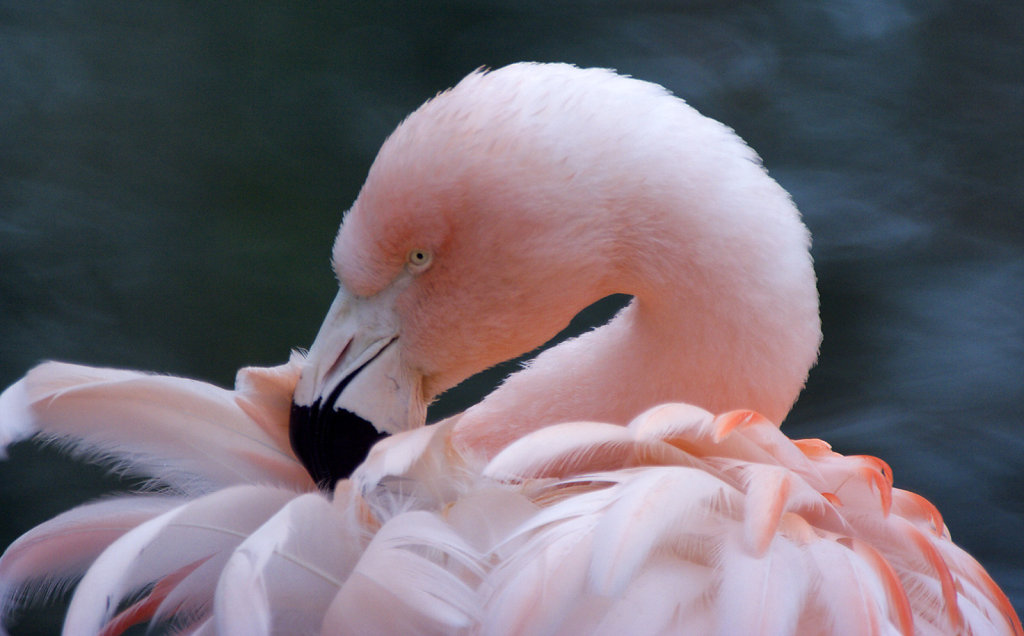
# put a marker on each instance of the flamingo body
(625, 481)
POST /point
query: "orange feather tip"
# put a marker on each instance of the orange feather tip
(879, 476)
(765, 503)
(914, 506)
(813, 447)
(884, 488)
(832, 498)
(726, 423)
(796, 528)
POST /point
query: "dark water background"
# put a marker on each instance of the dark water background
(172, 175)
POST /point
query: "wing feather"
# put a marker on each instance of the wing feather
(534, 589)
(283, 577)
(190, 435)
(52, 553)
(206, 528)
(15, 421)
(761, 594)
(416, 576)
(648, 515)
(579, 447)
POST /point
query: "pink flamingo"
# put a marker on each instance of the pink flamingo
(611, 486)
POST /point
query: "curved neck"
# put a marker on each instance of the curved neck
(724, 316)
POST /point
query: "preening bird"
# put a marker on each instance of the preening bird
(631, 480)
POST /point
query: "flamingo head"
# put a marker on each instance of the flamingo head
(454, 257)
(501, 208)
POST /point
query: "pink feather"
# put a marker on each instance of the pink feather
(187, 434)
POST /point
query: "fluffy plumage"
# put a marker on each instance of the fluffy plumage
(573, 499)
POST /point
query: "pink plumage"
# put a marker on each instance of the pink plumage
(633, 479)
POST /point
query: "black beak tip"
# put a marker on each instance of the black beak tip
(329, 443)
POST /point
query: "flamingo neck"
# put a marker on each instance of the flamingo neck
(731, 323)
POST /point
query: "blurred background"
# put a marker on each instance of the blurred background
(172, 175)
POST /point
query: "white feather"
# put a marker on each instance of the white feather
(761, 594)
(411, 470)
(50, 554)
(15, 424)
(206, 528)
(487, 516)
(207, 627)
(284, 576)
(534, 588)
(580, 447)
(416, 576)
(849, 593)
(187, 434)
(668, 596)
(649, 514)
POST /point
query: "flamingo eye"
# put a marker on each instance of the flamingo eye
(419, 259)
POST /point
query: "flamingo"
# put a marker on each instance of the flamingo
(633, 479)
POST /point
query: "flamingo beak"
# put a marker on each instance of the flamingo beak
(353, 390)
